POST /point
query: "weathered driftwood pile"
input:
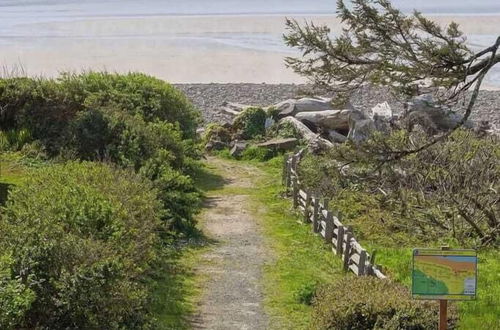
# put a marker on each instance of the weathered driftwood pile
(321, 124)
(327, 224)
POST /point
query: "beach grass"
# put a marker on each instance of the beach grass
(301, 260)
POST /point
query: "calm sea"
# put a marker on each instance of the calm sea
(29, 21)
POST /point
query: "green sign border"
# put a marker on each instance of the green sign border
(441, 253)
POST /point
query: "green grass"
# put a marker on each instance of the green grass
(12, 169)
(301, 259)
(177, 288)
(483, 313)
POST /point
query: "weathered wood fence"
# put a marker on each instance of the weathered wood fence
(327, 224)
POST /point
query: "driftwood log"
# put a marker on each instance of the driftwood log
(232, 108)
(291, 107)
(308, 135)
(327, 119)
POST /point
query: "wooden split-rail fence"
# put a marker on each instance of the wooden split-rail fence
(327, 224)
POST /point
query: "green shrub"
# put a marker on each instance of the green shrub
(80, 241)
(216, 131)
(283, 130)
(370, 303)
(124, 119)
(448, 192)
(257, 153)
(306, 293)
(250, 123)
(177, 192)
(48, 107)
(15, 296)
(14, 140)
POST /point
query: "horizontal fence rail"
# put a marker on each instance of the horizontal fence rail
(327, 224)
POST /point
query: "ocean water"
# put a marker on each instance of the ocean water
(29, 25)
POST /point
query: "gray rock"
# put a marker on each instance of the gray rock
(361, 130)
(238, 148)
(432, 117)
(336, 137)
(280, 144)
(216, 145)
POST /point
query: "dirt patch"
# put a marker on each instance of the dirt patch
(232, 296)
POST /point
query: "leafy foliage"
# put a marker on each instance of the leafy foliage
(131, 120)
(250, 123)
(369, 303)
(14, 140)
(448, 191)
(48, 107)
(216, 131)
(76, 249)
(382, 46)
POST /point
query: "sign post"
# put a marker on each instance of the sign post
(444, 274)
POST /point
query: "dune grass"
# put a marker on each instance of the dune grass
(483, 313)
(301, 260)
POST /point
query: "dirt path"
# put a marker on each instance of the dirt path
(232, 296)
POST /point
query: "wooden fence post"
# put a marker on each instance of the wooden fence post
(289, 173)
(340, 240)
(326, 201)
(295, 192)
(284, 174)
(347, 251)
(329, 227)
(362, 263)
(315, 214)
(306, 207)
(294, 163)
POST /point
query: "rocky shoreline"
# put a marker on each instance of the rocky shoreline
(209, 98)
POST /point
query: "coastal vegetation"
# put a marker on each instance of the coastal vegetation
(98, 169)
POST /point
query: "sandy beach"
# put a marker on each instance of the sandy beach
(183, 49)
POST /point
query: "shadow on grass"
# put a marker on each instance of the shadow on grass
(175, 286)
(206, 180)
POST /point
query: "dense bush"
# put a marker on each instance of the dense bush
(13, 140)
(47, 107)
(177, 192)
(77, 243)
(370, 303)
(216, 132)
(447, 191)
(257, 153)
(250, 123)
(131, 120)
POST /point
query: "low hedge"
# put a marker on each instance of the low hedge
(369, 303)
(78, 241)
(46, 106)
(131, 120)
(250, 123)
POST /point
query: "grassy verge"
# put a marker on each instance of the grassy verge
(480, 314)
(301, 259)
(13, 166)
(178, 287)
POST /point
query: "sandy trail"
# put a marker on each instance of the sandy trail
(232, 296)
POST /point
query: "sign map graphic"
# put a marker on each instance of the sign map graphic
(444, 274)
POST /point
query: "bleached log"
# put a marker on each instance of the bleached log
(327, 119)
(291, 107)
(230, 111)
(306, 133)
(232, 108)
